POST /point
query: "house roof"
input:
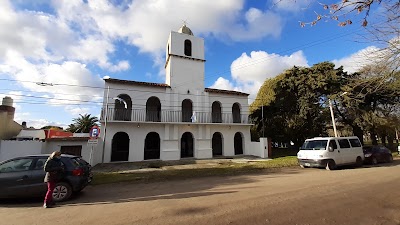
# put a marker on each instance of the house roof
(211, 90)
(118, 81)
(68, 139)
(220, 91)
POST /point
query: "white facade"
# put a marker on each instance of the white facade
(178, 119)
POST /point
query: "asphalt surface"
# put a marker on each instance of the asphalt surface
(369, 195)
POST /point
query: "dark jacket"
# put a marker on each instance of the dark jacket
(54, 170)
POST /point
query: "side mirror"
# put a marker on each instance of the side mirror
(330, 149)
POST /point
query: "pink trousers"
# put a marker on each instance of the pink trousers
(49, 195)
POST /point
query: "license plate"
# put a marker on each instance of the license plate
(307, 164)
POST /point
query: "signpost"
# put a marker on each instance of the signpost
(93, 141)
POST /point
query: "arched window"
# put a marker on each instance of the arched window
(187, 145)
(123, 109)
(152, 146)
(187, 110)
(216, 112)
(217, 143)
(120, 147)
(188, 48)
(153, 109)
(236, 113)
(238, 143)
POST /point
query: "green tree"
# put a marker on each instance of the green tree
(371, 103)
(51, 128)
(294, 103)
(83, 123)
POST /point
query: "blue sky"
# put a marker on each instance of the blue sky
(73, 44)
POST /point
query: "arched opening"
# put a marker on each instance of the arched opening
(217, 141)
(187, 145)
(120, 147)
(216, 112)
(236, 113)
(153, 109)
(238, 143)
(188, 48)
(122, 111)
(187, 110)
(152, 146)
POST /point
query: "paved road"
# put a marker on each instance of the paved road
(291, 196)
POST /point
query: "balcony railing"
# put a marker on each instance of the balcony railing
(167, 116)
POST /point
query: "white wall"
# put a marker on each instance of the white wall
(260, 148)
(170, 139)
(32, 133)
(12, 149)
(176, 45)
(52, 146)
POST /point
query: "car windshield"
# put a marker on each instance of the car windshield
(314, 145)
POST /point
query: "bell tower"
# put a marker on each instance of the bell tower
(185, 62)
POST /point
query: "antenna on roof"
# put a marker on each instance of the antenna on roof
(184, 22)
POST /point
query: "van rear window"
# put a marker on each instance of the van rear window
(355, 142)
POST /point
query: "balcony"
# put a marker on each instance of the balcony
(166, 116)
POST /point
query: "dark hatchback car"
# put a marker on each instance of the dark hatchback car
(377, 154)
(23, 177)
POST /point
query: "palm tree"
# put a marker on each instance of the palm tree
(83, 123)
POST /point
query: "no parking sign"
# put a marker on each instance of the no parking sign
(94, 132)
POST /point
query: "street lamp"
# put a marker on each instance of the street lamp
(333, 116)
(105, 118)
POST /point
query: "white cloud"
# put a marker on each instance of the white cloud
(250, 71)
(260, 65)
(64, 80)
(73, 110)
(222, 83)
(121, 66)
(356, 61)
(39, 123)
(258, 25)
(146, 24)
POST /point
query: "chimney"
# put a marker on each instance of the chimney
(23, 125)
(7, 106)
(8, 101)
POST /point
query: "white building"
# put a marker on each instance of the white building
(178, 119)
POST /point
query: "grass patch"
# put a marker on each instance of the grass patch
(222, 169)
(283, 152)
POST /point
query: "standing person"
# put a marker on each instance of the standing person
(54, 171)
(398, 148)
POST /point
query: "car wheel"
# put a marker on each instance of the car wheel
(359, 161)
(390, 158)
(330, 165)
(374, 160)
(62, 192)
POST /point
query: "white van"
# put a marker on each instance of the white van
(330, 152)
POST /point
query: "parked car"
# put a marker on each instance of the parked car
(23, 177)
(377, 154)
(330, 152)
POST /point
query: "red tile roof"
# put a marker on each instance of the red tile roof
(118, 81)
(212, 90)
(68, 139)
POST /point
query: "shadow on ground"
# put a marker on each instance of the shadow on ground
(174, 189)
